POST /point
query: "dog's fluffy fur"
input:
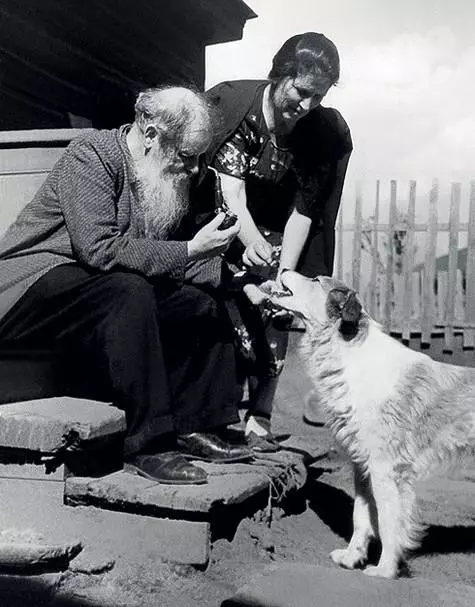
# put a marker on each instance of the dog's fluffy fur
(397, 413)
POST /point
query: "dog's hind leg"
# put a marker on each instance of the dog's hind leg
(364, 514)
(391, 517)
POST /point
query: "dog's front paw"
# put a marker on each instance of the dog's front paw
(349, 559)
(385, 571)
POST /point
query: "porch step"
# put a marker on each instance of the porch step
(49, 424)
(228, 485)
(60, 427)
(35, 508)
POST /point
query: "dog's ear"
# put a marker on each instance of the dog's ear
(351, 310)
(344, 304)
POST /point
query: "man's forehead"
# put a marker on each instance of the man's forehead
(195, 141)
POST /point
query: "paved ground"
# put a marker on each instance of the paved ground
(120, 565)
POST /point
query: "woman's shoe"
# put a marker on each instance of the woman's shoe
(210, 448)
(169, 468)
(262, 444)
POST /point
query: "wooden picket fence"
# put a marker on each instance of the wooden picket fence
(405, 297)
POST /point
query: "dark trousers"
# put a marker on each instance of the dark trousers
(166, 355)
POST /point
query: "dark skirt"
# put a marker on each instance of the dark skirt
(261, 337)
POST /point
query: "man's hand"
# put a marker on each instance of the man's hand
(210, 240)
(257, 253)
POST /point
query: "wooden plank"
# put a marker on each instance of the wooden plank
(441, 299)
(469, 336)
(457, 326)
(39, 136)
(398, 300)
(388, 299)
(373, 303)
(339, 245)
(459, 298)
(416, 300)
(357, 237)
(14, 195)
(28, 161)
(418, 227)
(452, 267)
(408, 263)
(429, 271)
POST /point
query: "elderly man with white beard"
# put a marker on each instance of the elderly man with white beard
(91, 265)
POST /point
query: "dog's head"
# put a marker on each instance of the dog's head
(318, 301)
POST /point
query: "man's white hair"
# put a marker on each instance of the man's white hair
(173, 110)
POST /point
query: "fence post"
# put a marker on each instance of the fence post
(390, 257)
(357, 235)
(373, 286)
(469, 334)
(409, 263)
(429, 271)
(452, 266)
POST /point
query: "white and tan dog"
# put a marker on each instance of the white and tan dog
(397, 413)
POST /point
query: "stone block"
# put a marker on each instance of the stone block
(34, 511)
(44, 424)
(228, 484)
(31, 472)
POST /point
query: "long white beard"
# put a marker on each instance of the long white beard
(163, 195)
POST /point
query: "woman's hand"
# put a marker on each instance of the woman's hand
(257, 253)
(210, 240)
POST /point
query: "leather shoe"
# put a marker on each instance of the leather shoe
(262, 444)
(169, 468)
(210, 448)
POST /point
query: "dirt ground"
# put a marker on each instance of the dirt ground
(304, 529)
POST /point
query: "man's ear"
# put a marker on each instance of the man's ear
(151, 134)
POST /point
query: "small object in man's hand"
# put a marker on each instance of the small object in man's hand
(229, 220)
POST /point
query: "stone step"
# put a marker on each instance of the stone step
(228, 485)
(49, 424)
(31, 472)
(34, 509)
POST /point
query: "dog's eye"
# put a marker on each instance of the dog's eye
(315, 279)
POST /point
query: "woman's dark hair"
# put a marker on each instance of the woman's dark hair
(308, 53)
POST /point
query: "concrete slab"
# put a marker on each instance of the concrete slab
(34, 509)
(228, 484)
(44, 424)
(31, 471)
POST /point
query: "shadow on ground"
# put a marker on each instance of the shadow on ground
(25, 591)
(331, 504)
(445, 540)
(335, 508)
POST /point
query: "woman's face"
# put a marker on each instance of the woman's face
(294, 97)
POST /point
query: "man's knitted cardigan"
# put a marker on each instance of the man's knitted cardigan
(85, 212)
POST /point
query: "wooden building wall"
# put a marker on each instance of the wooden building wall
(63, 61)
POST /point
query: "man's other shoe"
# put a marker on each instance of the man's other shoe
(210, 448)
(169, 468)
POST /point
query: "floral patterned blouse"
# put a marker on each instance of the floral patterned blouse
(271, 183)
